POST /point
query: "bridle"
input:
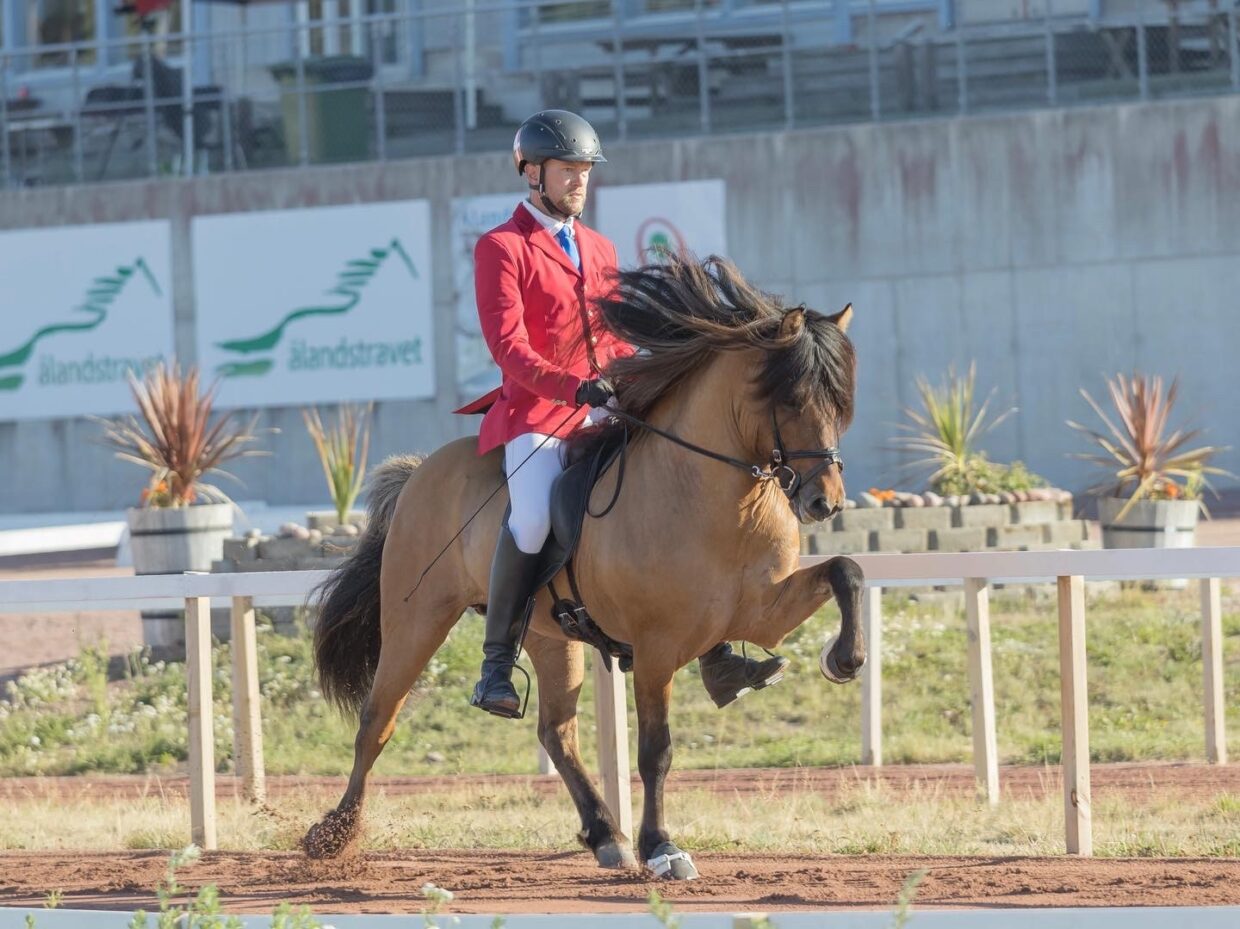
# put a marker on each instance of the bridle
(778, 468)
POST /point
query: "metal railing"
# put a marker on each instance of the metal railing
(975, 570)
(456, 79)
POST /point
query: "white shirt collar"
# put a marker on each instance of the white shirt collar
(549, 223)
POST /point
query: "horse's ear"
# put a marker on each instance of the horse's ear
(792, 323)
(843, 318)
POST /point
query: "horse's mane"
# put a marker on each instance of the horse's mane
(679, 312)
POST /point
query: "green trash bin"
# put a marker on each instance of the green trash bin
(337, 121)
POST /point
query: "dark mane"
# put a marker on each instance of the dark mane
(679, 313)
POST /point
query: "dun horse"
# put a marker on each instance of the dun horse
(699, 549)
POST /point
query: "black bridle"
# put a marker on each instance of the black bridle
(778, 469)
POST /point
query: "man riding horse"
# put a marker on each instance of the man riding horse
(537, 277)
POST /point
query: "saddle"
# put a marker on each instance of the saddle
(570, 502)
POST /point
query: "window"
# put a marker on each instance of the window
(60, 22)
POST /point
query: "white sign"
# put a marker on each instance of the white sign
(643, 219)
(324, 305)
(476, 371)
(81, 306)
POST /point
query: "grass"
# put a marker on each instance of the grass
(1144, 685)
(865, 818)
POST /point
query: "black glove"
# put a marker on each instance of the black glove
(595, 393)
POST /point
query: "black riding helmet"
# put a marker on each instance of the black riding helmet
(554, 134)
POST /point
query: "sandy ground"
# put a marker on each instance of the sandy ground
(569, 882)
(487, 881)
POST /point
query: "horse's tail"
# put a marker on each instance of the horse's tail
(347, 636)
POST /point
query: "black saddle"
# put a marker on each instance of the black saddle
(570, 502)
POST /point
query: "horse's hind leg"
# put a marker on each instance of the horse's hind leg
(407, 647)
(560, 667)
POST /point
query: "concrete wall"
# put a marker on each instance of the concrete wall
(1052, 247)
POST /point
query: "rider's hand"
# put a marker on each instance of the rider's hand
(595, 393)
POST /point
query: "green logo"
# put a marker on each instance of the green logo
(102, 293)
(350, 282)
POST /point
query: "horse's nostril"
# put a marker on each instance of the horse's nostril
(821, 508)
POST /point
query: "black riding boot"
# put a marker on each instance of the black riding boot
(511, 597)
(728, 675)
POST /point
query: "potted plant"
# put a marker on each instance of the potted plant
(342, 447)
(181, 521)
(1153, 493)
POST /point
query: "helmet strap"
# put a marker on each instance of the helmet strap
(552, 208)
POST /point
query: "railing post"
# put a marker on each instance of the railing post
(201, 722)
(785, 43)
(612, 714)
(188, 150)
(982, 689)
(703, 70)
(148, 91)
(872, 678)
(1143, 60)
(376, 49)
(617, 70)
(876, 104)
(962, 77)
(1052, 77)
(1074, 712)
(303, 106)
(5, 156)
(78, 168)
(1232, 43)
(247, 702)
(1212, 669)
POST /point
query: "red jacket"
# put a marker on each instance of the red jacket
(530, 299)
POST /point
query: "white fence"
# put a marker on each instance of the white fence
(974, 570)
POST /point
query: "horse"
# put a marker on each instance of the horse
(701, 547)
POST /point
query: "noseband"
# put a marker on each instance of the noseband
(778, 469)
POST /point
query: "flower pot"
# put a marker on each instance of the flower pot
(1149, 524)
(171, 541)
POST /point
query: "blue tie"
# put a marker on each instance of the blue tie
(569, 244)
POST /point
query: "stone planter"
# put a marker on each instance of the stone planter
(173, 540)
(327, 520)
(1149, 524)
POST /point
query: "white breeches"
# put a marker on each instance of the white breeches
(529, 489)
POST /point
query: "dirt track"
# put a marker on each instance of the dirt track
(514, 882)
(488, 881)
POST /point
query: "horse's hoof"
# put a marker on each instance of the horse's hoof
(614, 855)
(671, 864)
(332, 836)
(830, 667)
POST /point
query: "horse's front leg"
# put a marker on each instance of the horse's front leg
(652, 684)
(797, 598)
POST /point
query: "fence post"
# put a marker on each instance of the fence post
(612, 714)
(1231, 48)
(962, 78)
(703, 72)
(201, 722)
(148, 92)
(1052, 77)
(247, 705)
(876, 105)
(1074, 712)
(5, 163)
(981, 686)
(872, 678)
(303, 105)
(1212, 669)
(376, 55)
(1143, 60)
(78, 169)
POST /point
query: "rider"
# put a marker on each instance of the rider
(536, 277)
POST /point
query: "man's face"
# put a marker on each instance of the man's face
(567, 182)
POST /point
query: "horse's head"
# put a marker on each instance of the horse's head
(787, 375)
(806, 378)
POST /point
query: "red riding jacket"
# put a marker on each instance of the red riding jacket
(533, 305)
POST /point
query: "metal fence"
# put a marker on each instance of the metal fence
(457, 79)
